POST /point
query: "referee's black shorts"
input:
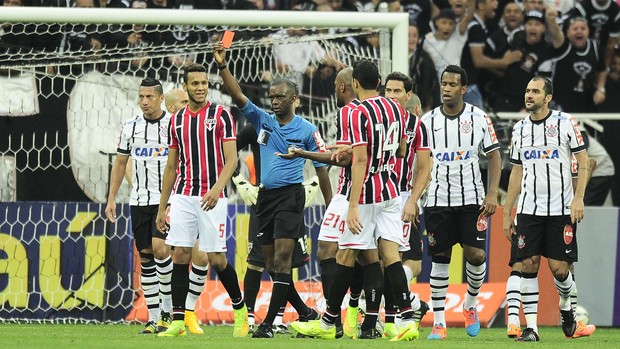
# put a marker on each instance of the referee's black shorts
(280, 213)
(255, 253)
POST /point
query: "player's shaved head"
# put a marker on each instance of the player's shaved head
(344, 87)
(176, 99)
(414, 105)
(345, 76)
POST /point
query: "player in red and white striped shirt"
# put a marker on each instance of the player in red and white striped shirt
(399, 86)
(373, 220)
(202, 157)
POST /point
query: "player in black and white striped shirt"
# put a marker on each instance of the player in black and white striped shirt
(547, 209)
(457, 209)
(144, 139)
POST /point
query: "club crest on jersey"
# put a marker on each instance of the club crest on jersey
(453, 155)
(546, 154)
(465, 126)
(521, 241)
(210, 123)
(568, 234)
(410, 135)
(431, 239)
(163, 131)
(483, 223)
(551, 130)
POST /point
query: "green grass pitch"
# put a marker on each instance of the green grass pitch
(42, 336)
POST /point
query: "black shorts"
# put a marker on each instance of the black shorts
(280, 213)
(553, 237)
(513, 250)
(143, 225)
(415, 243)
(255, 253)
(448, 226)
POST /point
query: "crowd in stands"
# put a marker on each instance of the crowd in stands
(501, 44)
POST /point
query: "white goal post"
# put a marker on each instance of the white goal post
(396, 22)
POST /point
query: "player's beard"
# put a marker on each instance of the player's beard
(535, 106)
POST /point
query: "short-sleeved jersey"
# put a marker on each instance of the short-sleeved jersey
(145, 141)
(277, 172)
(575, 75)
(604, 21)
(379, 124)
(343, 137)
(544, 148)
(476, 37)
(416, 140)
(199, 137)
(536, 57)
(455, 142)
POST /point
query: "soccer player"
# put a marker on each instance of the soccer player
(202, 158)
(141, 140)
(456, 208)
(177, 99)
(373, 218)
(399, 87)
(281, 198)
(547, 211)
(333, 224)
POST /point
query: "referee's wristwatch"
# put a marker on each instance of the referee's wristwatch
(601, 90)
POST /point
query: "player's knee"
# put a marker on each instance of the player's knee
(326, 250)
(282, 263)
(559, 270)
(218, 261)
(161, 251)
(146, 258)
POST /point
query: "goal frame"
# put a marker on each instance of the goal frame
(397, 23)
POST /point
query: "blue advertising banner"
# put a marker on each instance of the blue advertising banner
(63, 260)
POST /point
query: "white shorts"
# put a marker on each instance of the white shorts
(380, 220)
(335, 219)
(404, 196)
(188, 221)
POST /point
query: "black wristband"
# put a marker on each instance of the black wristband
(221, 67)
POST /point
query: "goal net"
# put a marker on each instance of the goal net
(68, 80)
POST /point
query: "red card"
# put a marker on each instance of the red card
(227, 39)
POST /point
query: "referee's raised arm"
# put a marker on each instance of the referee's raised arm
(231, 84)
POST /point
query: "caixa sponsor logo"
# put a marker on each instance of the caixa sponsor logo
(547, 154)
(458, 155)
(150, 151)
